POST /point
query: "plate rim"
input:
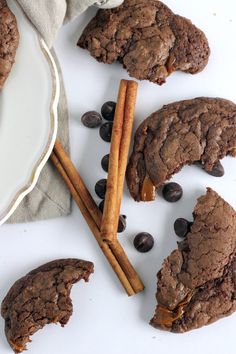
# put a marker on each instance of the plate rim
(37, 168)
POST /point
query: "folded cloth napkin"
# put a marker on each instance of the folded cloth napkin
(50, 197)
(49, 15)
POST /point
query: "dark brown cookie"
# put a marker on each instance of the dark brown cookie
(201, 129)
(41, 297)
(9, 40)
(197, 283)
(148, 39)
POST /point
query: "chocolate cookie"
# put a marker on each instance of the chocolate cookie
(40, 298)
(9, 40)
(201, 129)
(197, 283)
(148, 39)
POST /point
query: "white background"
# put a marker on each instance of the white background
(105, 320)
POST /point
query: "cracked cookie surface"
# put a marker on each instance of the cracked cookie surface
(9, 41)
(41, 297)
(148, 39)
(201, 129)
(202, 270)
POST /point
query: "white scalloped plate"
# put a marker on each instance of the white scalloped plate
(28, 116)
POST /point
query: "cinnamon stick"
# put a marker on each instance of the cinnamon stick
(119, 262)
(110, 205)
(78, 182)
(130, 272)
(128, 121)
(93, 227)
(120, 143)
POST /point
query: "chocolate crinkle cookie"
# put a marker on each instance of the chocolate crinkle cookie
(148, 39)
(197, 282)
(185, 132)
(9, 41)
(41, 297)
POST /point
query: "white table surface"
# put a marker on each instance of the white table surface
(105, 320)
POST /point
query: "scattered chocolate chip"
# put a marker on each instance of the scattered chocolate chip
(143, 242)
(182, 227)
(100, 188)
(101, 205)
(105, 162)
(122, 224)
(91, 119)
(217, 171)
(106, 131)
(172, 192)
(108, 110)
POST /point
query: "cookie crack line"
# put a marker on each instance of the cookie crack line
(193, 289)
(179, 134)
(148, 39)
(41, 297)
(186, 321)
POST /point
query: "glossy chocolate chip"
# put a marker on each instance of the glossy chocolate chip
(91, 119)
(143, 242)
(100, 188)
(105, 131)
(108, 110)
(172, 192)
(122, 224)
(101, 205)
(217, 171)
(182, 227)
(105, 162)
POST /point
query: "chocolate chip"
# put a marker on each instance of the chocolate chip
(182, 227)
(106, 131)
(101, 205)
(143, 242)
(217, 171)
(108, 110)
(172, 192)
(91, 119)
(105, 162)
(122, 223)
(100, 188)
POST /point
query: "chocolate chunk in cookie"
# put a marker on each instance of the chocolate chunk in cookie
(197, 284)
(148, 39)
(201, 129)
(9, 40)
(41, 297)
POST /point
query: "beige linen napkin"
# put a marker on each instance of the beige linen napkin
(50, 198)
(49, 15)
